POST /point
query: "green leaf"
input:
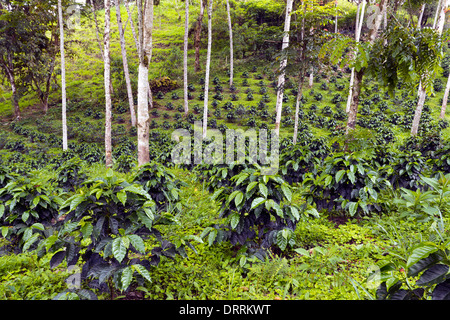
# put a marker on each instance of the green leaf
(351, 176)
(257, 202)
(5, 231)
(137, 242)
(30, 241)
(127, 276)
(352, 207)
(287, 192)
(251, 185)
(142, 271)
(38, 226)
(434, 275)
(212, 236)
(234, 220)
(339, 175)
(238, 199)
(36, 201)
(118, 249)
(122, 196)
(419, 253)
(2, 210)
(263, 189)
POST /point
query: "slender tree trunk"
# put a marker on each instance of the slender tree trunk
(438, 25)
(419, 21)
(373, 33)
(185, 57)
(198, 34)
(208, 65)
(358, 28)
(125, 65)
(12, 81)
(445, 98)
(133, 31)
(353, 111)
(145, 52)
(297, 106)
(107, 72)
(63, 76)
(97, 33)
(311, 77)
(283, 64)
(230, 28)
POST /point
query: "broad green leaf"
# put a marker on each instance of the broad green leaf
(5, 231)
(137, 242)
(234, 220)
(127, 276)
(38, 226)
(257, 202)
(352, 207)
(2, 210)
(251, 185)
(142, 271)
(263, 189)
(339, 175)
(238, 199)
(216, 193)
(30, 241)
(351, 176)
(287, 192)
(212, 236)
(419, 253)
(36, 201)
(433, 275)
(232, 195)
(122, 196)
(118, 249)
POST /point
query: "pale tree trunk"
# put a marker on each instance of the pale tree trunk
(145, 52)
(419, 21)
(12, 80)
(125, 64)
(208, 65)
(438, 25)
(373, 33)
(297, 106)
(230, 28)
(445, 98)
(133, 31)
(97, 33)
(197, 36)
(311, 77)
(185, 57)
(358, 28)
(107, 72)
(302, 78)
(336, 19)
(63, 76)
(283, 64)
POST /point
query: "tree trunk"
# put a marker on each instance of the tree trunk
(107, 72)
(63, 77)
(125, 65)
(145, 51)
(438, 25)
(445, 98)
(133, 31)
(353, 111)
(198, 34)
(97, 33)
(297, 106)
(185, 57)
(358, 28)
(419, 21)
(230, 28)
(356, 90)
(208, 65)
(283, 63)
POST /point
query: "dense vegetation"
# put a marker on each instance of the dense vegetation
(362, 215)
